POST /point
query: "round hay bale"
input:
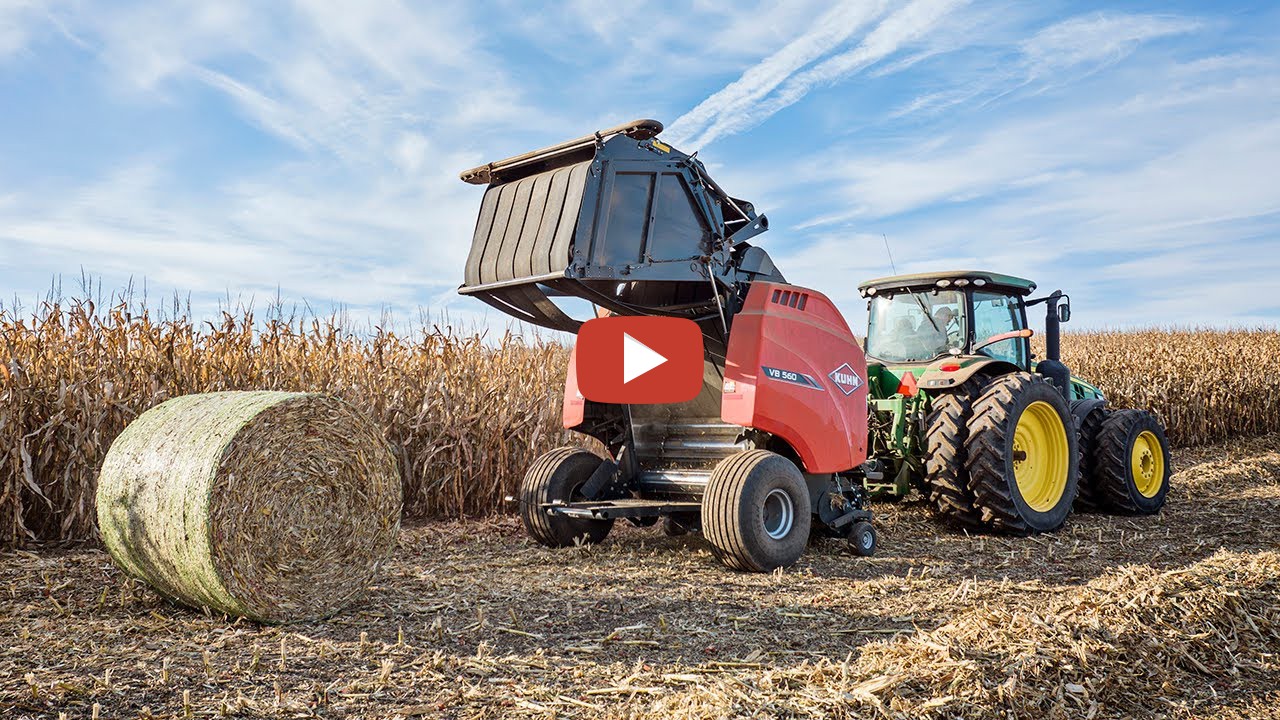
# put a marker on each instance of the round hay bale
(276, 506)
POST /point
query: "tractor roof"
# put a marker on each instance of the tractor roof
(947, 278)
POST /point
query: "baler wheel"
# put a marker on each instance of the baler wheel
(1089, 498)
(863, 539)
(1023, 455)
(755, 511)
(559, 475)
(1133, 463)
(946, 430)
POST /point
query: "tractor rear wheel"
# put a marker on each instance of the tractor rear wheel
(1089, 498)
(947, 478)
(1133, 464)
(755, 511)
(560, 475)
(1023, 455)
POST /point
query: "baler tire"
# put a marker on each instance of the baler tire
(947, 478)
(1123, 438)
(734, 506)
(1089, 496)
(993, 431)
(558, 475)
(863, 539)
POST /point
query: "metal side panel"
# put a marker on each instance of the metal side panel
(525, 228)
(689, 444)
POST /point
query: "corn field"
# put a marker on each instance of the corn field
(1206, 385)
(465, 415)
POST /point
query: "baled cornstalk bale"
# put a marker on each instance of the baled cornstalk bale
(276, 506)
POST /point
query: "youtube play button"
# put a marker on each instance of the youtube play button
(639, 360)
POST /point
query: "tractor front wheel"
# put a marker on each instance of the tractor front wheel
(559, 475)
(755, 511)
(1132, 466)
(1023, 455)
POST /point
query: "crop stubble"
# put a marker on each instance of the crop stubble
(1111, 617)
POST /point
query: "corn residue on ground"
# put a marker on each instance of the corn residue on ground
(1174, 616)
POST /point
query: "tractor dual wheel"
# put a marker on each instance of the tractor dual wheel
(1023, 455)
(947, 478)
(755, 511)
(560, 475)
(1131, 467)
(1089, 496)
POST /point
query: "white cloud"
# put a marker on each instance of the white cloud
(1098, 39)
(975, 135)
(752, 98)
(380, 100)
(16, 20)
(1145, 217)
(698, 126)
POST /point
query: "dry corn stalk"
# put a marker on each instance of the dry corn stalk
(465, 415)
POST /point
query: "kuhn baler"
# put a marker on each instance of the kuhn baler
(792, 431)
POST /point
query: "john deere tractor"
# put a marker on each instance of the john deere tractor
(961, 411)
(796, 425)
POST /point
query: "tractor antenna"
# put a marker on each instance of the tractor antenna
(889, 252)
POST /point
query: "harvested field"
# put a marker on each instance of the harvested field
(1171, 616)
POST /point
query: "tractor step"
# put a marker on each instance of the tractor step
(626, 508)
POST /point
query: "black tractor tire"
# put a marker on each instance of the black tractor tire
(946, 477)
(993, 459)
(1133, 463)
(1089, 498)
(756, 512)
(560, 475)
(863, 539)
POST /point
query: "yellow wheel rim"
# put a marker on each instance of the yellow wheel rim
(1041, 456)
(1146, 464)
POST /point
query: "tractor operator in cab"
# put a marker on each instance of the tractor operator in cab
(944, 329)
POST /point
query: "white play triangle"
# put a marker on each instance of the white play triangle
(637, 358)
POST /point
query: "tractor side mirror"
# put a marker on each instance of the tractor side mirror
(1064, 312)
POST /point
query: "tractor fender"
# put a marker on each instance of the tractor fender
(935, 378)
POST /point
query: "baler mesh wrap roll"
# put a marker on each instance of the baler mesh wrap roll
(276, 506)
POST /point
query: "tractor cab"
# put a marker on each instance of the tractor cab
(923, 318)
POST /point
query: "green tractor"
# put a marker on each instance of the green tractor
(960, 410)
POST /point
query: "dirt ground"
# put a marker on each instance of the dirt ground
(1174, 616)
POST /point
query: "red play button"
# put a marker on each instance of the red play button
(638, 360)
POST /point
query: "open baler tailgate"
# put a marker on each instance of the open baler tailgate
(615, 218)
(524, 237)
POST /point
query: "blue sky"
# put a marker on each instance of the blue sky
(1126, 153)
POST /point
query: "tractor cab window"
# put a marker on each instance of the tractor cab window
(916, 326)
(995, 314)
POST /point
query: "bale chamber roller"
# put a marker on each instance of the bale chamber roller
(771, 445)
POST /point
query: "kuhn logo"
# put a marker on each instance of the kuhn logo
(846, 379)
